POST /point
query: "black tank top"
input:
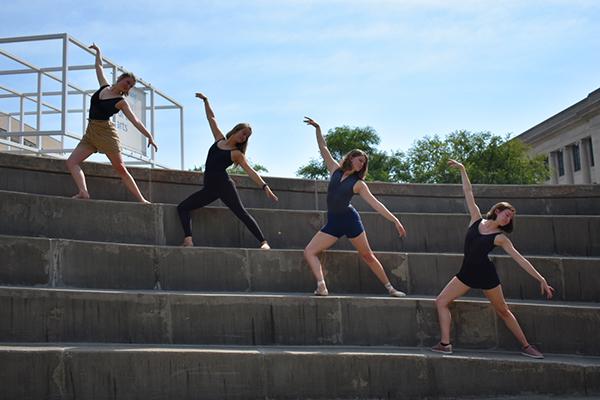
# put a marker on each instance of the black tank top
(478, 246)
(103, 109)
(340, 192)
(217, 162)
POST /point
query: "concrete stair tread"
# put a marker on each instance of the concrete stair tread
(289, 295)
(568, 359)
(280, 295)
(272, 250)
(210, 206)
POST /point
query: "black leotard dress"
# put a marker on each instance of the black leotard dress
(477, 270)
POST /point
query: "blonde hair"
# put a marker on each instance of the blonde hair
(240, 146)
(126, 75)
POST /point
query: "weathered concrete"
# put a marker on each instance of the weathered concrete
(49, 176)
(233, 319)
(65, 263)
(123, 222)
(132, 372)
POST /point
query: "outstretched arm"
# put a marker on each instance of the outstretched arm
(506, 244)
(212, 120)
(239, 158)
(99, 70)
(124, 106)
(331, 164)
(361, 188)
(467, 190)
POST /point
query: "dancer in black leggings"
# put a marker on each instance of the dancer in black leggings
(224, 152)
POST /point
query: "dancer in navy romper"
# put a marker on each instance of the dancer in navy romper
(224, 152)
(479, 272)
(342, 218)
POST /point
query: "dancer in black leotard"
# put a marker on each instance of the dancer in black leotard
(224, 152)
(342, 218)
(101, 134)
(478, 271)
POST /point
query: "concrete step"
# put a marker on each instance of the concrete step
(45, 262)
(63, 315)
(123, 222)
(49, 176)
(122, 372)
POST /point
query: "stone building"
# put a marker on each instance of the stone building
(571, 140)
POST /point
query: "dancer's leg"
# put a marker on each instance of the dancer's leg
(361, 244)
(117, 162)
(231, 198)
(78, 155)
(194, 201)
(496, 297)
(319, 243)
(453, 290)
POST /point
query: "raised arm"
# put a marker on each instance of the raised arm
(467, 190)
(330, 163)
(99, 69)
(210, 116)
(362, 189)
(124, 106)
(239, 158)
(506, 244)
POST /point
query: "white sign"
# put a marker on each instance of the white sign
(130, 136)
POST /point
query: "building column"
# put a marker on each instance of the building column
(584, 153)
(568, 160)
(553, 168)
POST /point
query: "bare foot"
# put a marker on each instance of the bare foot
(321, 289)
(265, 246)
(81, 195)
(187, 242)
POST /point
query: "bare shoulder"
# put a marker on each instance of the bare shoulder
(502, 240)
(360, 186)
(237, 156)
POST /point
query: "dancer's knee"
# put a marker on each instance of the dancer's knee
(368, 256)
(503, 311)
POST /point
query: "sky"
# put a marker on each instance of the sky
(407, 68)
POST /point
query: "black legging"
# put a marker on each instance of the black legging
(228, 194)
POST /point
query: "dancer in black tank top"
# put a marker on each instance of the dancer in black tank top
(478, 271)
(101, 134)
(224, 152)
(342, 219)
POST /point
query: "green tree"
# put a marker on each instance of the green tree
(340, 140)
(489, 159)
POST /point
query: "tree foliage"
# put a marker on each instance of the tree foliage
(489, 159)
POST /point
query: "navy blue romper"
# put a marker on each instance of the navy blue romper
(477, 270)
(342, 218)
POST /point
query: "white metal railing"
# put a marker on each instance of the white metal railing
(43, 106)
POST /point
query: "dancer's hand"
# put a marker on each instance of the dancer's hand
(455, 164)
(94, 47)
(400, 229)
(310, 121)
(201, 96)
(546, 289)
(270, 194)
(152, 143)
